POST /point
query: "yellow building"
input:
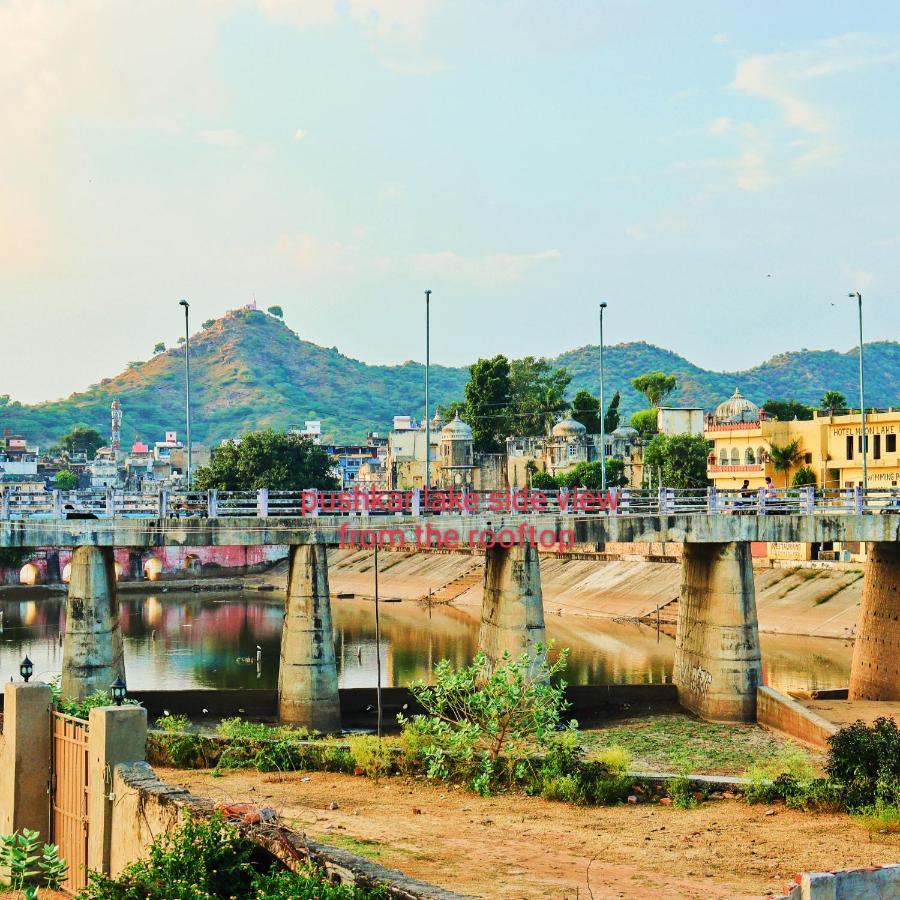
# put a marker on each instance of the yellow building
(830, 445)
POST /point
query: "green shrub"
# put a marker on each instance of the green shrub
(865, 761)
(786, 775)
(373, 755)
(208, 860)
(566, 775)
(28, 865)
(880, 817)
(483, 724)
(182, 747)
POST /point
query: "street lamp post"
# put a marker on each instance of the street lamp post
(427, 418)
(862, 400)
(187, 389)
(602, 410)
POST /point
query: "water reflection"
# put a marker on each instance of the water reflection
(186, 641)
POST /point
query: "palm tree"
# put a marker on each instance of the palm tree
(784, 458)
(833, 400)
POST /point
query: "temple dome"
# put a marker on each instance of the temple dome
(568, 427)
(737, 408)
(457, 430)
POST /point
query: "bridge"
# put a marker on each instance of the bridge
(717, 656)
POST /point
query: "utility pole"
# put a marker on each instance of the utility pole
(862, 399)
(187, 390)
(602, 410)
(377, 642)
(427, 412)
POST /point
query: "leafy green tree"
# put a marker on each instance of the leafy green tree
(785, 457)
(209, 323)
(833, 401)
(803, 476)
(267, 459)
(611, 418)
(159, 347)
(65, 480)
(276, 311)
(787, 410)
(483, 722)
(537, 395)
(448, 412)
(680, 460)
(487, 403)
(655, 386)
(543, 481)
(644, 423)
(82, 439)
(181, 339)
(586, 409)
(590, 475)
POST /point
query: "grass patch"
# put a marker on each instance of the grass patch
(360, 846)
(881, 818)
(677, 743)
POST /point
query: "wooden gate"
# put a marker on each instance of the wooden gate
(69, 795)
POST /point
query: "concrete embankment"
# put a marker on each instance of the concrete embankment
(791, 600)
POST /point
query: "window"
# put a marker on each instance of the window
(859, 443)
(876, 447)
(748, 456)
(723, 457)
(573, 450)
(849, 446)
(890, 443)
(735, 456)
(807, 458)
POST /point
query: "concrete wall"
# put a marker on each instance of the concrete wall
(781, 713)
(870, 883)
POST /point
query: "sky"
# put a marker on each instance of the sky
(720, 173)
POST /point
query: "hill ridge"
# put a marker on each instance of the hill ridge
(250, 370)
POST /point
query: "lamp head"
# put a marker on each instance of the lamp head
(118, 690)
(603, 305)
(184, 303)
(852, 294)
(26, 669)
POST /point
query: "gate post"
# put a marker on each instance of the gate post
(25, 759)
(117, 734)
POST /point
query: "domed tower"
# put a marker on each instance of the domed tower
(457, 455)
(737, 408)
(568, 443)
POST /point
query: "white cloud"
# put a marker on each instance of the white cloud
(311, 254)
(226, 138)
(719, 126)
(720, 38)
(413, 67)
(494, 268)
(301, 134)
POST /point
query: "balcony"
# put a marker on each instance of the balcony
(736, 469)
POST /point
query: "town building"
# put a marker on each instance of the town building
(742, 437)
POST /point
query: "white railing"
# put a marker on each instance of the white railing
(105, 503)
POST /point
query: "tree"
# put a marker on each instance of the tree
(611, 419)
(543, 481)
(833, 401)
(644, 423)
(482, 722)
(487, 403)
(655, 386)
(590, 475)
(66, 480)
(803, 476)
(159, 347)
(82, 439)
(209, 323)
(536, 395)
(267, 459)
(181, 339)
(785, 457)
(586, 409)
(680, 460)
(276, 311)
(787, 410)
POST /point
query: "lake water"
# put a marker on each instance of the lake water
(180, 641)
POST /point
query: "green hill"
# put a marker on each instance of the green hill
(249, 370)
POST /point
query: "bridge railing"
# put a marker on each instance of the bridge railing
(107, 502)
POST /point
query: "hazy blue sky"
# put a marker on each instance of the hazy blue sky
(523, 159)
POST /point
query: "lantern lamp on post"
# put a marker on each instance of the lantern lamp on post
(119, 690)
(26, 669)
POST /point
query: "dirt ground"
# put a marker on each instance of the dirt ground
(524, 847)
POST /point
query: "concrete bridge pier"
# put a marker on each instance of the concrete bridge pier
(875, 670)
(307, 678)
(512, 607)
(717, 658)
(93, 654)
